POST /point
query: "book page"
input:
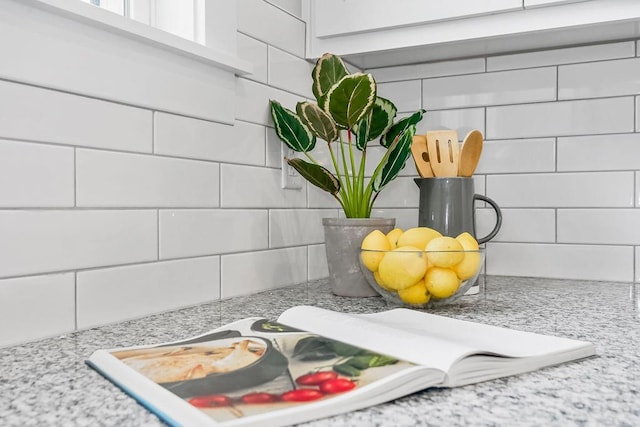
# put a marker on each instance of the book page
(482, 338)
(385, 334)
(433, 340)
(257, 372)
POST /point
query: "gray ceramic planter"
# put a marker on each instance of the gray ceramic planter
(343, 237)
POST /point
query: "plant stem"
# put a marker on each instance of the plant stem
(348, 190)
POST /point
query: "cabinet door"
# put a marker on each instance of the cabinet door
(335, 17)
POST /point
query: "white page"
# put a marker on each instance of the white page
(391, 340)
(482, 338)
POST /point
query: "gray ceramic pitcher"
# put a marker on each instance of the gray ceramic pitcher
(447, 204)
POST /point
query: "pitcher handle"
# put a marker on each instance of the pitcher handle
(496, 208)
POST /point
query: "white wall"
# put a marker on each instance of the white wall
(119, 203)
(562, 152)
(135, 180)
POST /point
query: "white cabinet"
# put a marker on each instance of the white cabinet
(537, 3)
(380, 33)
(334, 17)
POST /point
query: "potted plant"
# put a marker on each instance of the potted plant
(347, 115)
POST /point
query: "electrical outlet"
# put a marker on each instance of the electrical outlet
(290, 178)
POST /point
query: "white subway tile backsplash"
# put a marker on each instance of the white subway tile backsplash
(252, 272)
(121, 293)
(252, 101)
(120, 179)
(38, 241)
(518, 225)
(405, 218)
(272, 25)
(273, 149)
(584, 117)
(595, 189)
(181, 136)
(294, 7)
(637, 195)
(503, 87)
(405, 95)
(420, 71)
(318, 198)
(254, 187)
(255, 52)
(290, 73)
(589, 262)
(36, 307)
(518, 155)
(402, 192)
(561, 56)
(32, 113)
(637, 117)
(294, 227)
(462, 120)
(317, 259)
(196, 232)
(36, 175)
(599, 226)
(599, 152)
(599, 79)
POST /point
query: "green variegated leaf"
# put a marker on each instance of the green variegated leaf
(395, 130)
(349, 100)
(316, 175)
(394, 160)
(328, 71)
(319, 122)
(377, 122)
(290, 129)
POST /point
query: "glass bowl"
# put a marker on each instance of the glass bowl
(421, 279)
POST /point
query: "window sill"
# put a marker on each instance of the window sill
(108, 21)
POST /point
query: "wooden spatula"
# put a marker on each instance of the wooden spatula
(443, 152)
(421, 156)
(470, 153)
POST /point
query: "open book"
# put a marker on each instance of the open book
(314, 363)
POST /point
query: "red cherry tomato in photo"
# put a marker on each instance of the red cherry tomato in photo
(316, 378)
(252, 398)
(301, 395)
(337, 385)
(210, 401)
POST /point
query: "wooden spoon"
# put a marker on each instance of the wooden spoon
(470, 153)
(443, 152)
(421, 156)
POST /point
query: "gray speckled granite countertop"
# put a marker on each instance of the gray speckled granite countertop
(47, 382)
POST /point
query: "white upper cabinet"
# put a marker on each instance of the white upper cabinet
(380, 33)
(333, 17)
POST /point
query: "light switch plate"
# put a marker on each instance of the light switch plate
(290, 178)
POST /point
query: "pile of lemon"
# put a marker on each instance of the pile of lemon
(420, 263)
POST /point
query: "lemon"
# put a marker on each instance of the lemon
(444, 251)
(468, 242)
(374, 241)
(376, 277)
(441, 282)
(402, 267)
(418, 237)
(468, 267)
(393, 237)
(416, 294)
